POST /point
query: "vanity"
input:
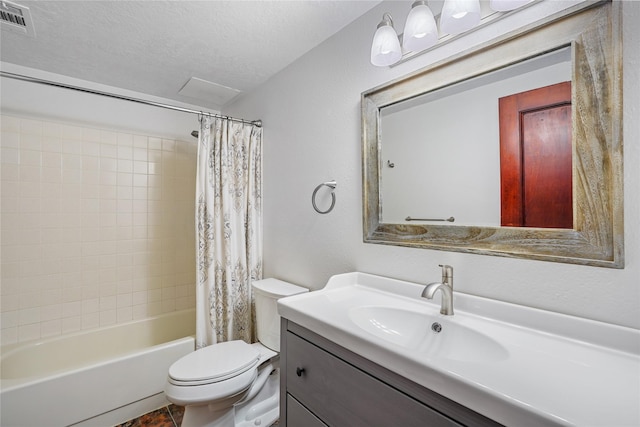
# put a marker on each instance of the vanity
(370, 351)
(330, 385)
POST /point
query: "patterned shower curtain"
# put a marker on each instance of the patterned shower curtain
(228, 229)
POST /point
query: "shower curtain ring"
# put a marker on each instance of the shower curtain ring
(332, 185)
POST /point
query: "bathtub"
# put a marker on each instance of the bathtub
(100, 377)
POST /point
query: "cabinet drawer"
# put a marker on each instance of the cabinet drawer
(299, 416)
(343, 395)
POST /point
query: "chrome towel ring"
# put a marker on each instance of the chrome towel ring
(332, 186)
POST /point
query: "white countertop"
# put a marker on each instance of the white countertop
(516, 365)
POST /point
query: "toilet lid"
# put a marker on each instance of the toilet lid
(214, 363)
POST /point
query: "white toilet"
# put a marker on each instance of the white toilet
(235, 384)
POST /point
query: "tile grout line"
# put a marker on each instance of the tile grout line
(172, 417)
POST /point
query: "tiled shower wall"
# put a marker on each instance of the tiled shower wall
(97, 227)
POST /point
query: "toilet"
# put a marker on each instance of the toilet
(235, 384)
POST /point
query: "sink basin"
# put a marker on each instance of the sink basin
(398, 326)
(432, 335)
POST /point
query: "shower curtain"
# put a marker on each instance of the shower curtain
(228, 229)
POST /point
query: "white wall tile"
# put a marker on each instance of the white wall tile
(51, 129)
(71, 132)
(51, 312)
(139, 311)
(30, 142)
(10, 124)
(51, 145)
(28, 332)
(9, 319)
(10, 155)
(28, 316)
(90, 320)
(50, 328)
(107, 317)
(89, 227)
(9, 336)
(71, 324)
(9, 302)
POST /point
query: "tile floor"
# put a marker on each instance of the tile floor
(169, 416)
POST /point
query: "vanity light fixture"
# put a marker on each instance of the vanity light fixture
(459, 16)
(421, 32)
(385, 49)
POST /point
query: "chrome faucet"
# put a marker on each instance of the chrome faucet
(446, 289)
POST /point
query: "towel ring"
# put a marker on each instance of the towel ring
(332, 186)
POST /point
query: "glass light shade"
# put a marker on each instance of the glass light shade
(385, 49)
(505, 5)
(459, 16)
(420, 31)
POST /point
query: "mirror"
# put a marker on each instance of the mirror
(454, 133)
(431, 170)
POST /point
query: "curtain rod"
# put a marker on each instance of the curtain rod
(257, 123)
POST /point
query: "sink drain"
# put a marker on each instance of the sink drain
(436, 327)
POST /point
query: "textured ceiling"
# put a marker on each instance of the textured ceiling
(155, 47)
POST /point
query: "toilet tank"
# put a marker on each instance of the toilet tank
(266, 294)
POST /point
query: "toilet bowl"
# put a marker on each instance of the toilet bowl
(235, 384)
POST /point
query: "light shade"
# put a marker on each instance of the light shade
(420, 31)
(385, 49)
(459, 16)
(505, 5)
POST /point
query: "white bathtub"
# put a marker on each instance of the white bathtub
(100, 377)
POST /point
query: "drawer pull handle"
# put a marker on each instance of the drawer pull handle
(299, 371)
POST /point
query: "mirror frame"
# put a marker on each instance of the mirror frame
(594, 32)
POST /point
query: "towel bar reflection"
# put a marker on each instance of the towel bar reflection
(450, 219)
(332, 186)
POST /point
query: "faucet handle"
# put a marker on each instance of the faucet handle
(447, 274)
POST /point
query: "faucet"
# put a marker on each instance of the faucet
(445, 287)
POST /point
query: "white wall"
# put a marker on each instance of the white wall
(311, 114)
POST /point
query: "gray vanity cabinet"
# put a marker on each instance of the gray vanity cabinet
(323, 384)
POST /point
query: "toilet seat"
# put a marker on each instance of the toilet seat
(215, 363)
(219, 375)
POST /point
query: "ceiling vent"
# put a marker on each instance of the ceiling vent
(17, 18)
(208, 91)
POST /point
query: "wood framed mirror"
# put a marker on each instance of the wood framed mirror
(592, 233)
